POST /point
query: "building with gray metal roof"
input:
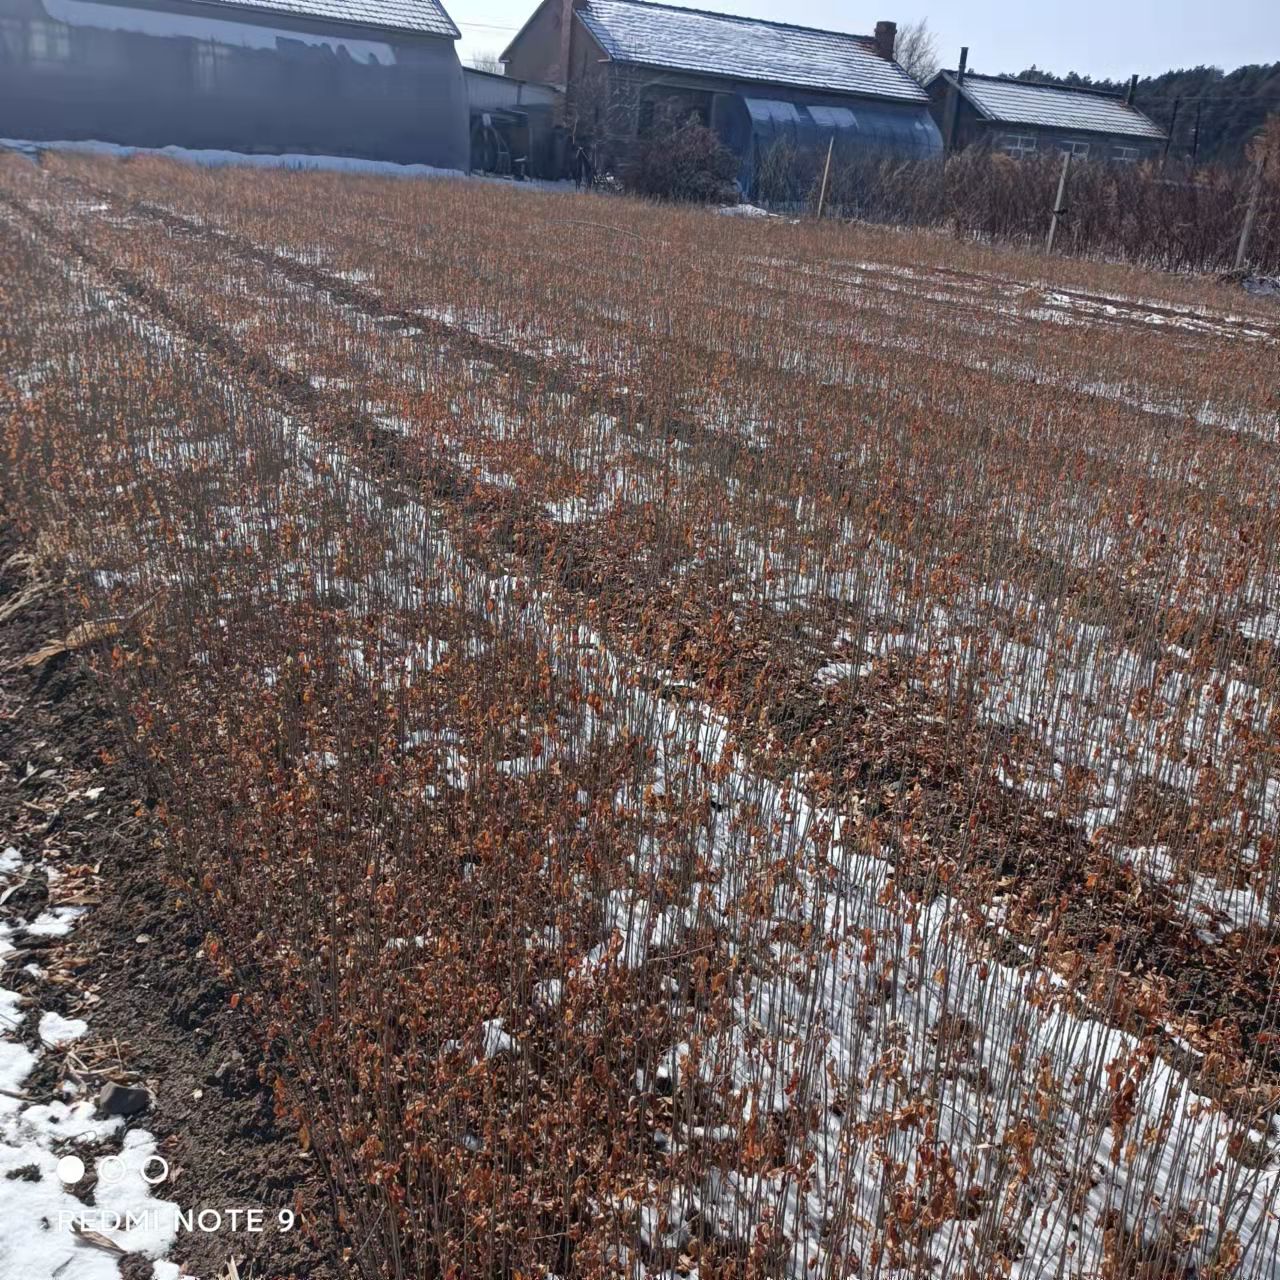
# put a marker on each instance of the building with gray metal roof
(720, 44)
(758, 84)
(1027, 117)
(375, 79)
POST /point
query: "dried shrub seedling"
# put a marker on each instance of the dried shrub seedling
(746, 754)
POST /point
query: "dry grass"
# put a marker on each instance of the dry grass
(714, 747)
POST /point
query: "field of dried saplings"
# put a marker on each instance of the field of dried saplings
(711, 747)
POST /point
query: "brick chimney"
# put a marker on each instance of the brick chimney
(1133, 88)
(566, 37)
(886, 38)
(952, 109)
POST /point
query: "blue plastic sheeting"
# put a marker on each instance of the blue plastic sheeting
(750, 126)
(244, 35)
(212, 78)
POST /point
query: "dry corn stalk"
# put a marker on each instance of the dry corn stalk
(81, 636)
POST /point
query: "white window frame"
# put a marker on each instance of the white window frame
(48, 43)
(13, 33)
(211, 57)
(1018, 145)
(1079, 150)
(1125, 154)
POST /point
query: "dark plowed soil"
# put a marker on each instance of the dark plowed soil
(140, 950)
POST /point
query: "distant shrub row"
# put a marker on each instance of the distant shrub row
(1176, 218)
(1179, 219)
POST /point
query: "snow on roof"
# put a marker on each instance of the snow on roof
(720, 44)
(1055, 106)
(423, 17)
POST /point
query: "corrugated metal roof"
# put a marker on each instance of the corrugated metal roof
(423, 17)
(489, 91)
(1056, 107)
(719, 44)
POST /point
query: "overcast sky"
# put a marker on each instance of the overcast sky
(1095, 37)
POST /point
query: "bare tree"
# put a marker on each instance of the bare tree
(488, 62)
(917, 50)
(1265, 145)
(602, 112)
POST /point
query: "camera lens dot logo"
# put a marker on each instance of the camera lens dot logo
(111, 1170)
(70, 1170)
(155, 1170)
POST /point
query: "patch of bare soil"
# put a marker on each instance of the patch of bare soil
(161, 1015)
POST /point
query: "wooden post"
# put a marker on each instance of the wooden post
(826, 173)
(1242, 249)
(1058, 207)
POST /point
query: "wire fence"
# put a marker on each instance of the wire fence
(1174, 217)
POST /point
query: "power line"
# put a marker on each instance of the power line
(1273, 95)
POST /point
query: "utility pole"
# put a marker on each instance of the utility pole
(1242, 249)
(826, 173)
(1058, 207)
(1168, 141)
(1195, 137)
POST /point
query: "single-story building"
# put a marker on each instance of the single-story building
(622, 63)
(515, 125)
(377, 79)
(1028, 117)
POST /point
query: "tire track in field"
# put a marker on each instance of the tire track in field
(1048, 579)
(1143, 609)
(548, 374)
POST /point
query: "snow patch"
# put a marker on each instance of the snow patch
(217, 159)
(56, 1031)
(37, 1208)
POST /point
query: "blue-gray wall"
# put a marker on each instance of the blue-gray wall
(190, 75)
